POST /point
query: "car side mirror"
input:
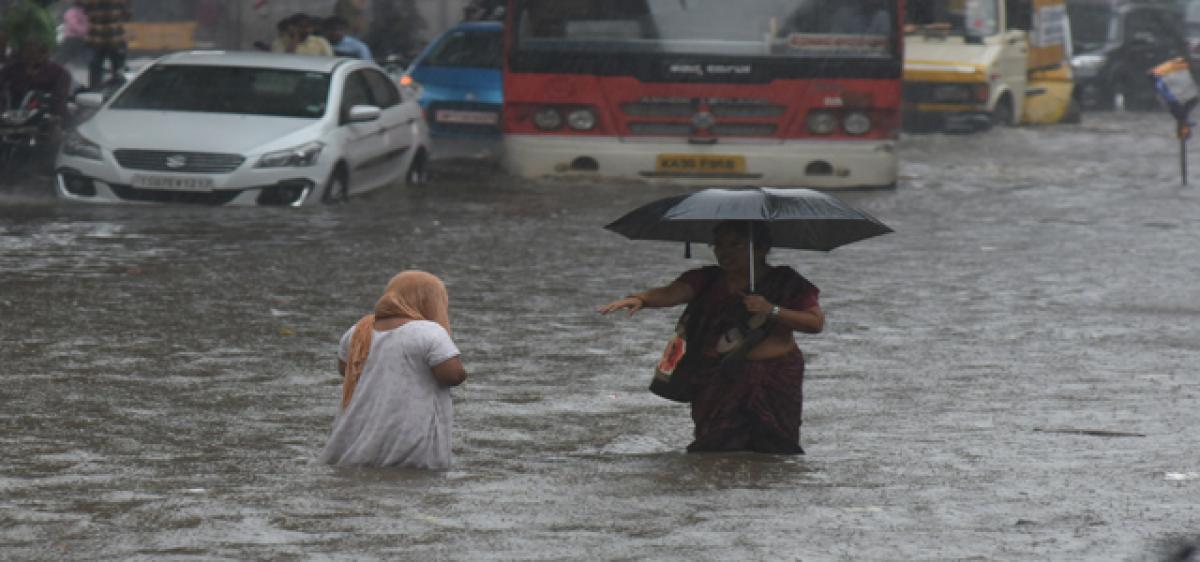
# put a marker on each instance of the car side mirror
(363, 113)
(89, 100)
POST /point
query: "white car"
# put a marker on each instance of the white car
(245, 128)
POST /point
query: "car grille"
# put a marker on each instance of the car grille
(171, 161)
(711, 117)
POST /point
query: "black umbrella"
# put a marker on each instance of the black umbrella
(802, 219)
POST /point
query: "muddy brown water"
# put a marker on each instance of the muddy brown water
(1009, 376)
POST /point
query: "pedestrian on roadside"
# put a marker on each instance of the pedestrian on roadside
(297, 37)
(398, 366)
(344, 45)
(106, 37)
(74, 46)
(753, 403)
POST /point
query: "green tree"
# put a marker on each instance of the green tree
(28, 23)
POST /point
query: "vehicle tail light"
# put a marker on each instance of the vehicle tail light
(407, 81)
(822, 122)
(856, 123)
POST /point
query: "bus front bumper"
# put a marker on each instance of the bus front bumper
(825, 164)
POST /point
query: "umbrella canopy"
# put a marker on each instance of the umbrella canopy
(802, 219)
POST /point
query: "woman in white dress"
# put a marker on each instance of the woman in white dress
(398, 366)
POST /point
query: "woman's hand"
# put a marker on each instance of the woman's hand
(756, 304)
(632, 303)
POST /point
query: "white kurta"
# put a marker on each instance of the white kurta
(399, 415)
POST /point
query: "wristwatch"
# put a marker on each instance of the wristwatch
(774, 312)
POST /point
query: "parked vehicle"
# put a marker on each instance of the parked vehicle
(972, 65)
(788, 94)
(245, 128)
(1116, 43)
(459, 76)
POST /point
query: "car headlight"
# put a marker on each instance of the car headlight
(76, 145)
(822, 122)
(857, 123)
(299, 156)
(581, 120)
(1086, 66)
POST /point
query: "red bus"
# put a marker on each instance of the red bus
(787, 93)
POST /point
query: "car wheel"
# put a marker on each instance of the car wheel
(335, 189)
(418, 171)
(1002, 114)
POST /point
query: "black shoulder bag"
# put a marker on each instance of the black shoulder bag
(680, 361)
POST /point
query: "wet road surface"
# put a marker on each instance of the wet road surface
(1009, 376)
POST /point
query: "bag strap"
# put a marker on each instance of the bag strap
(693, 313)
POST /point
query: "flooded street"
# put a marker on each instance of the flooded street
(1011, 375)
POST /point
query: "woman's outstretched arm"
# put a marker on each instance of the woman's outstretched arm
(674, 294)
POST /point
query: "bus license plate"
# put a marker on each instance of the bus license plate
(715, 164)
(466, 117)
(186, 183)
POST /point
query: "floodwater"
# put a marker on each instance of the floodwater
(1011, 375)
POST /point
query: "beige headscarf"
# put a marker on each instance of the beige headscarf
(415, 295)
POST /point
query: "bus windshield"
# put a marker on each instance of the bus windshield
(750, 28)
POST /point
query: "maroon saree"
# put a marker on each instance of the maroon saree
(758, 406)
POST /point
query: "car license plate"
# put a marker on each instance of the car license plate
(466, 117)
(185, 183)
(715, 164)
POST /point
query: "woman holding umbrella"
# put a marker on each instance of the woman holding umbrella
(748, 396)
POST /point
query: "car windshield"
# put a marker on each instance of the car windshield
(224, 89)
(472, 49)
(1091, 25)
(974, 18)
(752, 28)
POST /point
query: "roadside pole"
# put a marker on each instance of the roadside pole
(1177, 87)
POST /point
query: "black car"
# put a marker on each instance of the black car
(1116, 43)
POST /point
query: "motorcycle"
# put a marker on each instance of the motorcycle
(29, 130)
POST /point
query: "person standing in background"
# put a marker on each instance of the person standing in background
(343, 44)
(74, 45)
(106, 37)
(354, 13)
(296, 36)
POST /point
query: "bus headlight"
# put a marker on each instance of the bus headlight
(821, 122)
(581, 120)
(856, 123)
(548, 119)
